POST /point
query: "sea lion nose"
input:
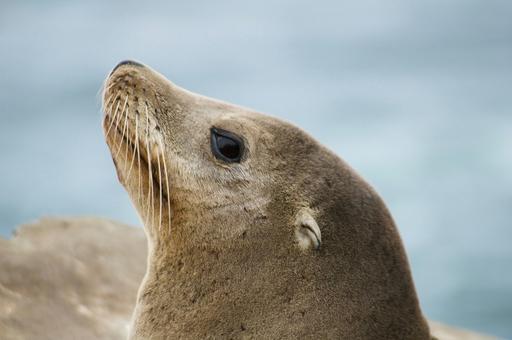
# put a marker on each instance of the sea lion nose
(126, 62)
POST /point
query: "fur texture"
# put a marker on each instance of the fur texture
(225, 256)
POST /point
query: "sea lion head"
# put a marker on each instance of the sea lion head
(253, 226)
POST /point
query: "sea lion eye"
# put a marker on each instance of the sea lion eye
(226, 146)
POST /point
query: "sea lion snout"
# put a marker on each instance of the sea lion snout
(126, 63)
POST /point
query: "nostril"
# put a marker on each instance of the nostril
(126, 62)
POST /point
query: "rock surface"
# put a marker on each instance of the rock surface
(77, 278)
(70, 279)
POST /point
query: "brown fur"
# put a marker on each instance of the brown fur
(228, 264)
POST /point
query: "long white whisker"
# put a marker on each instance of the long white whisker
(117, 99)
(164, 160)
(109, 87)
(137, 149)
(159, 187)
(106, 109)
(103, 90)
(114, 116)
(136, 142)
(150, 184)
(127, 146)
(125, 127)
(120, 116)
(106, 104)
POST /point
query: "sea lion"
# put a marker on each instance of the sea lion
(254, 229)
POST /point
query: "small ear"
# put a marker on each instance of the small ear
(307, 231)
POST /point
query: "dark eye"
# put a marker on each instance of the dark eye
(226, 146)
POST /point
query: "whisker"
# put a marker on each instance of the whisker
(150, 184)
(105, 105)
(160, 187)
(164, 160)
(106, 109)
(125, 128)
(126, 151)
(136, 142)
(123, 110)
(109, 112)
(102, 90)
(137, 149)
(106, 89)
(114, 116)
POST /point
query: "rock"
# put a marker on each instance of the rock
(444, 332)
(77, 278)
(73, 278)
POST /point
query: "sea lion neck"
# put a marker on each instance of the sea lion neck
(197, 229)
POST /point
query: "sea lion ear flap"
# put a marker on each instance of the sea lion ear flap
(307, 231)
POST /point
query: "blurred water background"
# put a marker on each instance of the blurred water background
(414, 95)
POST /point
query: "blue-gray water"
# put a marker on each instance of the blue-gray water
(416, 95)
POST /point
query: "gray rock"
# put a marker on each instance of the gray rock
(73, 278)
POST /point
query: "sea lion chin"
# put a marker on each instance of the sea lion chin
(255, 230)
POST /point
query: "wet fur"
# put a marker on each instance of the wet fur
(223, 258)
